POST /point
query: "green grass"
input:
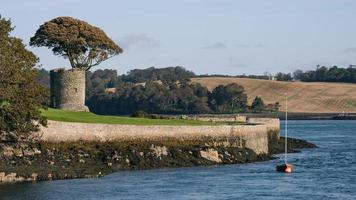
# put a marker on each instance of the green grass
(88, 117)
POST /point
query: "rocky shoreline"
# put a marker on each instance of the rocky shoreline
(49, 161)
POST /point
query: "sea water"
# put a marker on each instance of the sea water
(327, 172)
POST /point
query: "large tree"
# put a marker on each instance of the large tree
(83, 44)
(228, 98)
(258, 105)
(20, 93)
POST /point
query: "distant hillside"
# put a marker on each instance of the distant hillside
(313, 97)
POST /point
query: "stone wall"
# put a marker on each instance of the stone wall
(273, 127)
(229, 118)
(254, 137)
(273, 124)
(68, 89)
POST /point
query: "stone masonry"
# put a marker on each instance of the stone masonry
(68, 89)
(254, 137)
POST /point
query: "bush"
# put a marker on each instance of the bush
(140, 114)
(21, 95)
(258, 105)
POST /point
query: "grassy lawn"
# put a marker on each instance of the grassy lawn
(88, 117)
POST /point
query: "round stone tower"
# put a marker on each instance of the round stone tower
(68, 89)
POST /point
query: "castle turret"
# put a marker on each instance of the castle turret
(68, 89)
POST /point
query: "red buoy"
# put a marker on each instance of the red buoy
(286, 168)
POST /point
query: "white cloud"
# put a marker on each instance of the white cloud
(241, 46)
(138, 40)
(216, 45)
(260, 45)
(350, 50)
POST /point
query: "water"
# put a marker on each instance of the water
(328, 172)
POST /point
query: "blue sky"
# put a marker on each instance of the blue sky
(206, 36)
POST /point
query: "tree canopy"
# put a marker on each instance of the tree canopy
(168, 74)
(83, 44)
(283, 77)
(327, 74)
(159, 91)
(228, 98)
(20, 93)
(258, 105)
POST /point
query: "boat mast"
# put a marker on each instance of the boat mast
(286, 131)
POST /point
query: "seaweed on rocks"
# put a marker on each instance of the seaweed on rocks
(48, 161)
(294, 145)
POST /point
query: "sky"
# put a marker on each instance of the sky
(206, 36)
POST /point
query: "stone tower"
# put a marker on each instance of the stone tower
(68, 89)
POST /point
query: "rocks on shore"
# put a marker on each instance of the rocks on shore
(48, 161)
(294, 145)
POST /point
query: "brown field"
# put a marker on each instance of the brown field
(302, 97)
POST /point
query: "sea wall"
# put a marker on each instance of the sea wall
(272, 125)
(78, 150)
(273, 128)
(219, 118)
(254, 137)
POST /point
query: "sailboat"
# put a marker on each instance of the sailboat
(286, 168)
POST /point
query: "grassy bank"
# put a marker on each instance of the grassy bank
(88, 117)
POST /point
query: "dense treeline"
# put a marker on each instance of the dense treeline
(98, 81)
(327, 74)
(175, 98)
(152, 97)
(263, 77)
(168, 74)
(166, 91)
(321, 74)
(283, 77)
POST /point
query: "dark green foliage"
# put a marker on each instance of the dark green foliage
(228, 99)
(258, 105)
(96, 82)
(107, 93)
(43, 78)
(273, 107)
(143, 114)
(83, 44)
(169, 74)
(262, 77)
(169, 98)
(297, 74)
(327, 74)
(152, 97)
(284, 77)
(140, 114)
(20, 93)
(99, 80)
